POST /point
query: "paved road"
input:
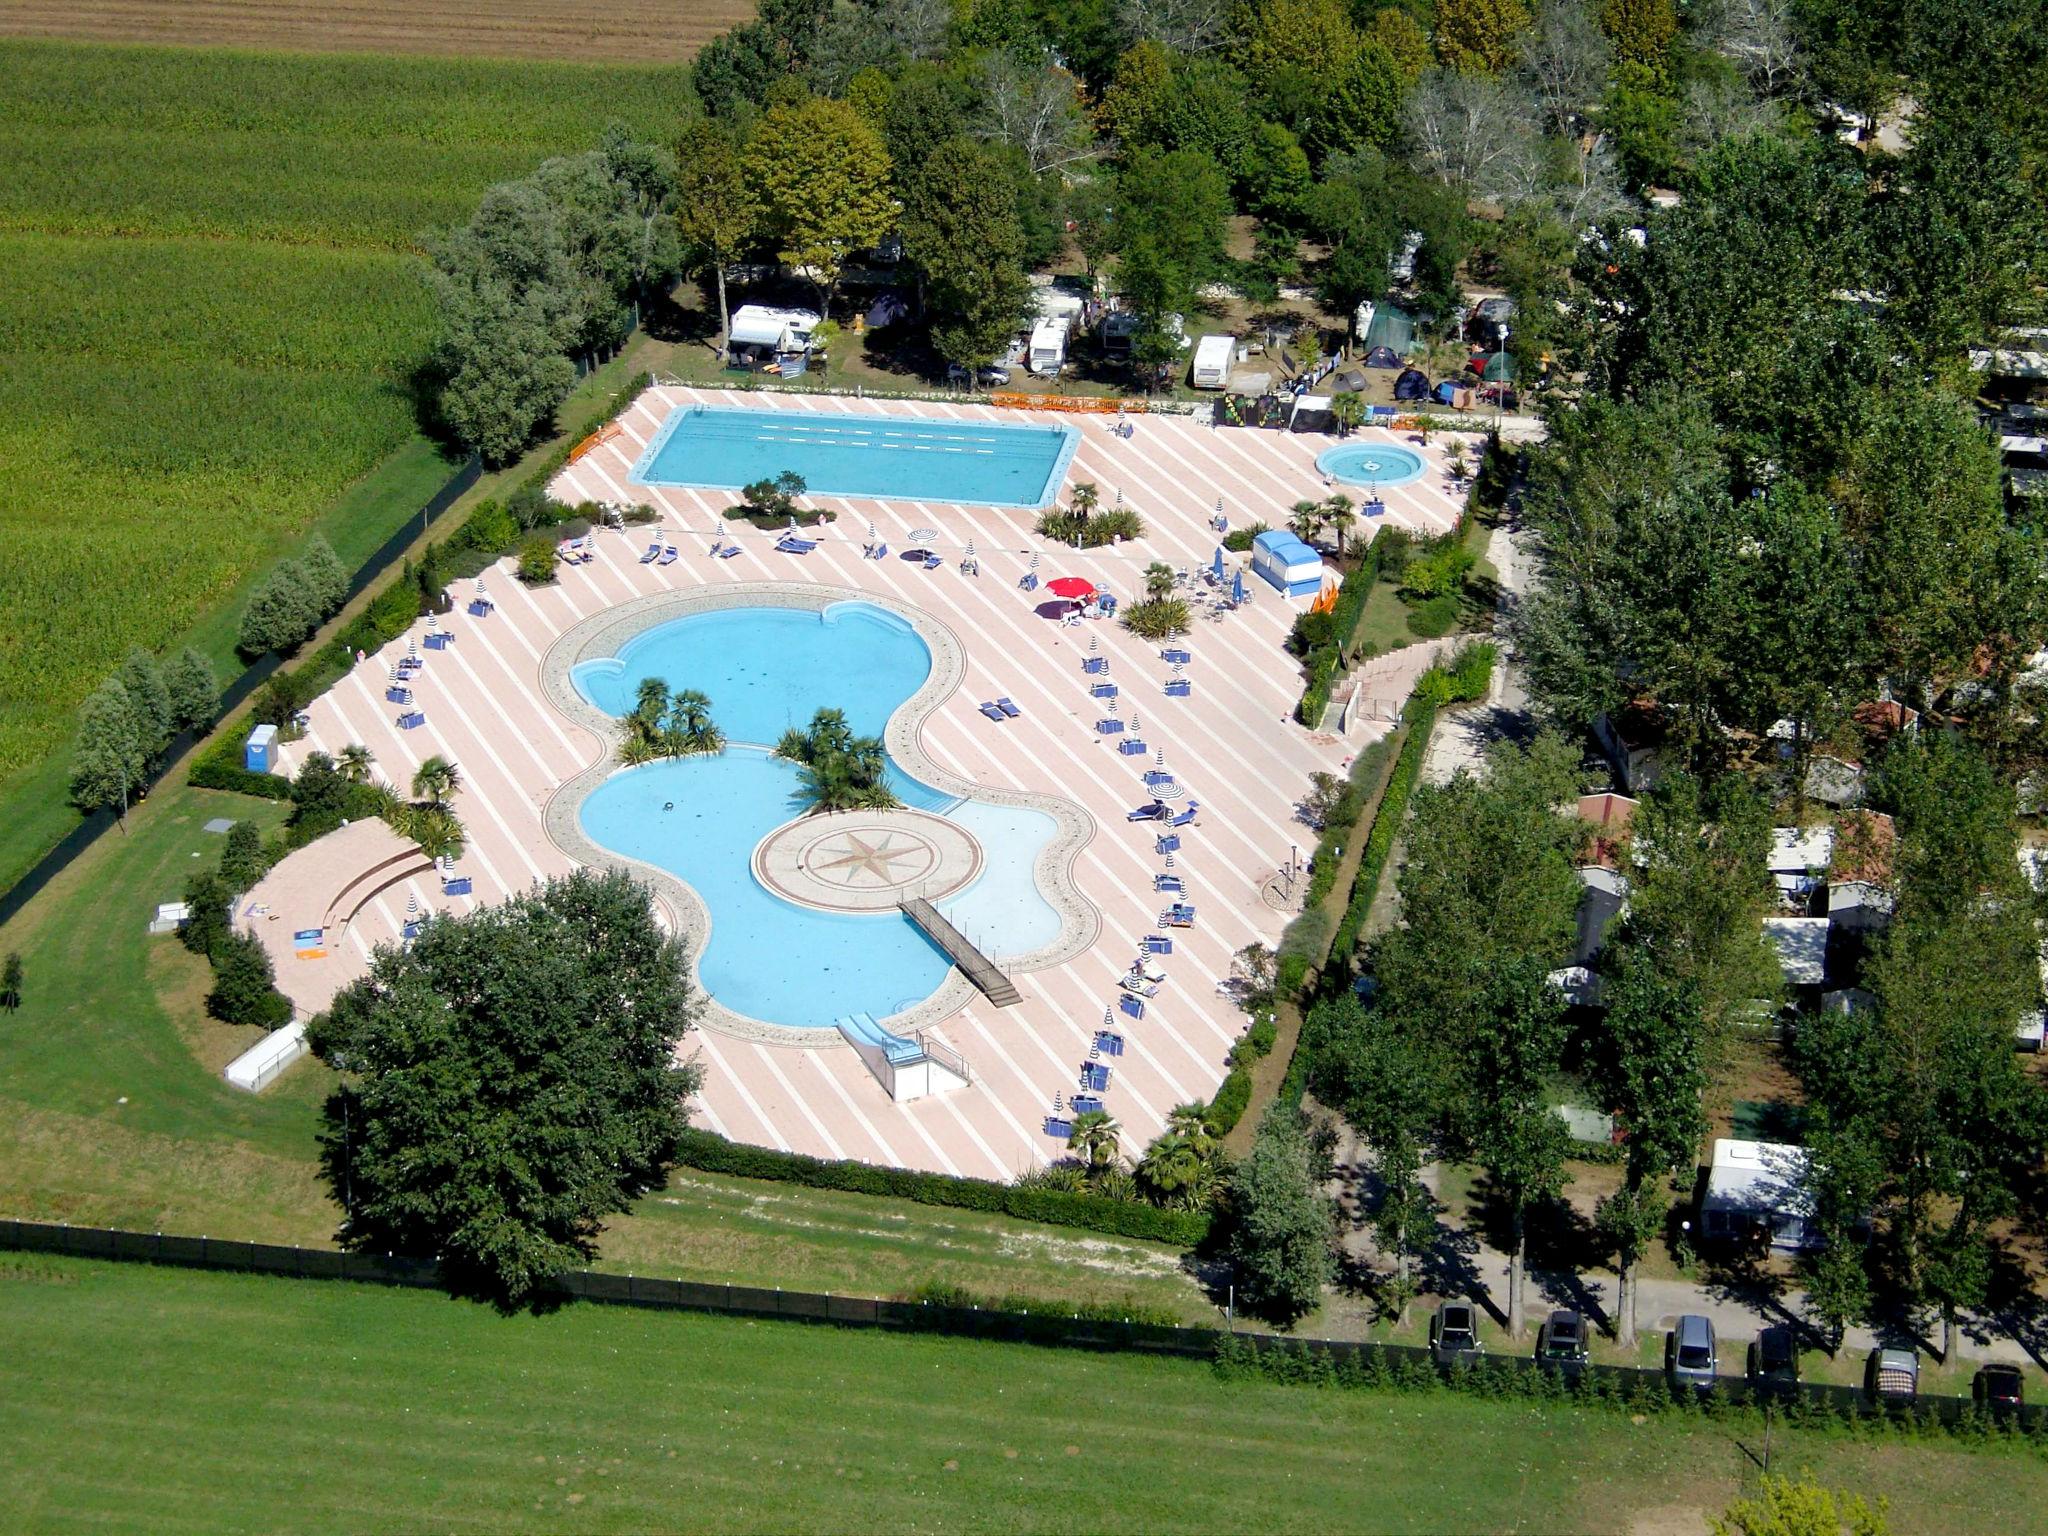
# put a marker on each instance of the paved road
(1462, 738)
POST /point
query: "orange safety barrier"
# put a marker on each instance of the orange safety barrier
(1089, 405)
(1326, 599)
(603, 434)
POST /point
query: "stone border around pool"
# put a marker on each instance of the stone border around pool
(605, 634)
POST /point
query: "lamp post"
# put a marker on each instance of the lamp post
(1500, 385)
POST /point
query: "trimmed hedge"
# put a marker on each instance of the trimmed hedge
(1096, 1213)
(1326, 660)
(220, 767)
(1380, 843)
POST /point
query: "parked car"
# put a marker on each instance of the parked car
(1774, 1363)
(2002, 1389)
(1561, 1343)
(1454, 1333)
(1892, 1375)
(1689, 1356)
(989, 375)
(1503, 395)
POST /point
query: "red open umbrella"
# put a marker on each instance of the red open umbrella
(1070, 586)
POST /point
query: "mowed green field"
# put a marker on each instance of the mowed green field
(211, 318)
(164, 1400)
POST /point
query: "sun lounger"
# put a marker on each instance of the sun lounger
(1131, 1007)
(790, 546)
(397, 695)
(439, 640)
(993, 712)
(728, 552)
(455, 885)
(1179, 915)
(1103, 691)
(480, 607)
(1007, 707)
(1110, 727)
(670, 555)
(1169, 885)
(1109, 1042)
(1057, 1128)
(1157, 944)
(1086, 1104)
(1130, 746)
(1094, 664)
(932, 562)
(881, 551)
(412, 719)
(410, 930)
(1180, 688)
(1170, 657)
(1187, 816)
(654, 553)
(1166, 842)
(1152, 812)
(1095, 1076)
(1028, 582)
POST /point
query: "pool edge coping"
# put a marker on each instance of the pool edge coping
(603, 634)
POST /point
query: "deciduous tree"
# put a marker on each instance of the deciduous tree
(823, 178)
(716, 210)
(1282, 1222)
(960, 225)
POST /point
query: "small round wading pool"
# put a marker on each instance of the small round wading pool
(1373, 465)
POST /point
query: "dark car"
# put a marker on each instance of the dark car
(1561, 1343)
(1690, 1359)
(1774, 1363)
(1454, 1333)
(2000, 1388)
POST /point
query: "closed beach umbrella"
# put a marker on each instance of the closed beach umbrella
(969, 554)
(412, 906)
(480, 587)
(872, 535)
(1216, 563)
(1091, 645)
(1119, 497)
(412, 647)
(1237, 587)
(1034, 560)
(1169, 861)
(1109, 1018)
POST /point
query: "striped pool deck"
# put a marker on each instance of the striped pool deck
(1232, 744)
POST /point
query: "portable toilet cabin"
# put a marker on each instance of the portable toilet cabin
(1287, 563)
(1213, 357)
(1048, 352)
(260, 755)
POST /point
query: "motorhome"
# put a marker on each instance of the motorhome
(1214, 356)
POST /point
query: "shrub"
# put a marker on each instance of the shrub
(531, 507)
(1026, 1202)
(537, 560)
(1233, 1095)
(1310, 631)
(1092, 530)
(1160, 619)
(1435, 618)
(1441, 572)
(241, 861)
(490, 530)
(206, 925)
(1239, 540)
(244, 987)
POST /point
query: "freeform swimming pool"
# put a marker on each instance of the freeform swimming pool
(1373, 465)
(889, 458)
(700, 818)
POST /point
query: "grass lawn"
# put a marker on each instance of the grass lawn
(142, 1399)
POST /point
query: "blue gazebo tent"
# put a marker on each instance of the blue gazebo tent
(1287, 563)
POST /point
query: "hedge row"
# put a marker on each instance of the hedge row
(1327, 659)
(1096, 1213)
(1380, 842)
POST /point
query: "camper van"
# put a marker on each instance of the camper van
(759, 330)
(1048, 350)
(1213, 357)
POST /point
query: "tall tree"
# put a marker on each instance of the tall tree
(716, 211)
(193, 691)
(1651, 1074)
(111, 762)
(1283, 1224)
(823, 177)
(960, 225)
(326, 578)
(1479, 37)
(509, 1079)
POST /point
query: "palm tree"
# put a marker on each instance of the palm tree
(437, 832)
(435, 780)
(689, 727)
(1158, 581)
(1190, 1120)
(1084, 499)
(1097, 1137)
(355, 762)
(837, 770)
(1454, 461)
(1340, 515)
(651, 703)
(1307, 521)
(1347, 410)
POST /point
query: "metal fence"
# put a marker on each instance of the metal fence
(1311, 1359)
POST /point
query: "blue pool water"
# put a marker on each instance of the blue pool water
(765, 669)
(1373, 465)
(885, 457)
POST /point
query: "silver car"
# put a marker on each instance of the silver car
(1689, 1356)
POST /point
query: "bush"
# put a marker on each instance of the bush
(1233, 1096)
(220, 767)
(282, 612)
(941, 1293)
(1160, 619)
(1441, 572)
(244, 987)
(1434, 618)
(537, 560)
(1092, 531)
(490, 530)
(1095, 1213)
(1239, 540)
(1310, 631)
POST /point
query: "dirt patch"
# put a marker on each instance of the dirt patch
(1669, 1520)
(585, 31)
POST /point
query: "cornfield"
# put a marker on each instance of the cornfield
(211, 313)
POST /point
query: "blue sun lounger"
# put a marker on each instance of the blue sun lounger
(439, 640)
(670, 554)
(794, 546)
(1094, 664)
(1086, 1104)
(1111, 727)
(1007, 707)
(1028, 582)
(1058, 1127)
(1166, 842)
(993, 713)
(1151, 812)
(1132, 1007)
(1187, 816)
(411, 720)
(455, 885)
(1156, 944)
(397, 695)
(933, 562)
(1180, 915)
(480, 607)
(1103, 691)
(1109, 1042)
(1130, 746)
(1169, 885)
(411, 930)
(728, 552)
(881, 552)
(1172, 656)
(1157, 777)
(654, 553)
(1095, 1076)
(1180, 688)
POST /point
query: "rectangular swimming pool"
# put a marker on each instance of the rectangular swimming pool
(889, 458)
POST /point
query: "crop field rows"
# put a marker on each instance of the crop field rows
(608, 31)
(214, 314)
